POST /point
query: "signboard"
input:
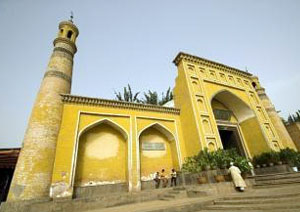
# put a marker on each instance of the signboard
(147, 146)
(224, 115)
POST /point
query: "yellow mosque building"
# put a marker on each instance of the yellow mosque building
(76, 144)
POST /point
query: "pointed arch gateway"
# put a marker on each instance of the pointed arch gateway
(237, 124)
(102, 156)
(157, 151)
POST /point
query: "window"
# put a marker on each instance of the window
(69, 35)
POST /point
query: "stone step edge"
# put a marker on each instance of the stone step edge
(279, 178)
(260, 196)
(265, 207)
(275, 183)
(274, 174)
(274, 201)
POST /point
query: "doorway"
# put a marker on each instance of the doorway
(231, 139)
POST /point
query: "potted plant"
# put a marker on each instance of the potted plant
(256, 162)
(202, 179)
(219, 178)
(243, 165)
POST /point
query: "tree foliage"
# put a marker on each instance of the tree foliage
(294, 117)
(151, 97)
(166, 98)
(127, 95)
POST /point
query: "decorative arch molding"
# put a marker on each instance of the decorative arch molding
(107, 121)
(161, 128)
(241, 109)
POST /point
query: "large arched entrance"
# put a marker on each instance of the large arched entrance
(238, 126)
(157, 151)
(102, 159)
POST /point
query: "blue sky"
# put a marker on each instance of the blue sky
(134, 42)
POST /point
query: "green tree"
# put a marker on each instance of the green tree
(294, 117)
(151, 98)
(127, 95)
(166, 98)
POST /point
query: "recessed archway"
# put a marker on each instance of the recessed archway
(157, 151)
(237, 123)
(102, 156)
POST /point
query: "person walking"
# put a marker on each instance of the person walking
(173, 178)
(236, 177)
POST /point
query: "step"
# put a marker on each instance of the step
(277, 182)
(277, 175)
(279, 210)
(257, 201)
(243, 208)
(182, 205)
(262, 196)
(280, 177)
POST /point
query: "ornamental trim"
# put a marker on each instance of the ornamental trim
(58, 74)
(60, 49)
(72, 99)
(209, 63)
(67, 41)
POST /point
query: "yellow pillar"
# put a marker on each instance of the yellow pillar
(272, 113)
(33, 172)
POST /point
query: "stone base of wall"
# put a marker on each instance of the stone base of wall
(104, 200)
(273, 169)
(99, 190)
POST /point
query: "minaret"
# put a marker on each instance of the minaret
(33, 172)
(272, 113)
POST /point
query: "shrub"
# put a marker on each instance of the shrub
(289, 156)
(217, 159)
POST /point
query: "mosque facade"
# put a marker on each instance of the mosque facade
(75, 144)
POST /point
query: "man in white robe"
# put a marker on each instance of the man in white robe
(236, 177)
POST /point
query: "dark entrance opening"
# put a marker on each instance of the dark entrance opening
(230, 139)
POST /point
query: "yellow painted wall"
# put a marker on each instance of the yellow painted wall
(156, 160)
(130, 122)
(254, 137)
(102, 157)
(183, 100)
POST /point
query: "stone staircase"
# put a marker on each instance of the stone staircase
(277, 179)
(175, 193)
(273, 192)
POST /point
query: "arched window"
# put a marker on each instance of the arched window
(69, 35)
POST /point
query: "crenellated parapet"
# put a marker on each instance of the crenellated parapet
(72, 99)
(208, 63)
